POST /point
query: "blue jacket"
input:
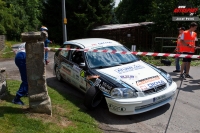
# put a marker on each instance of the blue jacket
(46, 42)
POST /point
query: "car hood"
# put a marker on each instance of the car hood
(137, 75)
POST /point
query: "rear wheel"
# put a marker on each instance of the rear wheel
(93, 98)
(58, 75)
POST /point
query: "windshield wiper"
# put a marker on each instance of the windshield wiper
(128, 62)
(101, 67)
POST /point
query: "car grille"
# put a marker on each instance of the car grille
(155, 89)
(152, 104)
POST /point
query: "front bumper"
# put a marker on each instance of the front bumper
(141, 104)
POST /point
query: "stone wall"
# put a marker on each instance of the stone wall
(2, 42)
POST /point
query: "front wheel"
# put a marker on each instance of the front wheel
(58, 75)
(93, 98)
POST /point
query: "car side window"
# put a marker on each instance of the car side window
(76, 56)
(65, 53)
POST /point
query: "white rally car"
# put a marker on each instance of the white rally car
(129, 85)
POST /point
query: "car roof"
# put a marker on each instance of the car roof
(91, 43)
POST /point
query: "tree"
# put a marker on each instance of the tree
(82, 16)
(162, 13)
(132, 11)
(20, 16)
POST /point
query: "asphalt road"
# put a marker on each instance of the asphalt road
(182, 115)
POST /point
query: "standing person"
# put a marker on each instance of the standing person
(177, 50)
(188, 39)
(46, 43)
(20, 61)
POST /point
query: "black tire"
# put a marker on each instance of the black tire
(93, 98)
(58, 75)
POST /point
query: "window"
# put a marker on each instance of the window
(65, 52)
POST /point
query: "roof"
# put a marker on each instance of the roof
(121, 26)
(93, 42)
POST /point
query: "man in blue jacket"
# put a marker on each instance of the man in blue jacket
(20, 61)
(46, 43)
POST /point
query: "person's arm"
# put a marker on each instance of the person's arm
(48, 41)
(196, 43)
(182, 39)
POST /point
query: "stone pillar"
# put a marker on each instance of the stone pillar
(3, 86)
(39, 100)
(2, 42)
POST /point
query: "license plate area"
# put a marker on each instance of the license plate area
(160, 98)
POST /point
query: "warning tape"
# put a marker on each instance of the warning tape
(124, 52)
(127, 52)
(15, 51)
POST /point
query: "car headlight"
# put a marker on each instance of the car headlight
(123, 93)
(169, 79)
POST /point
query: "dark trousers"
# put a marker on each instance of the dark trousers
(20, 61)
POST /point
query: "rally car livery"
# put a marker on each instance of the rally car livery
(129, 85)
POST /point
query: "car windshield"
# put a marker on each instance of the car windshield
(103, 59)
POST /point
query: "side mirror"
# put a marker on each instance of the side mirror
(82, 65)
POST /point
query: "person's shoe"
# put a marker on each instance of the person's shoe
(17, 101)
(176, 71)
(26, 95)
(188, 76)
(47, 62)
(182, 76)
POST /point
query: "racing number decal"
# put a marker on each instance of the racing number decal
(82, 73)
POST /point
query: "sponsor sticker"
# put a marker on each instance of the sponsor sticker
(103, 43)
(147, 80)
(76, 69)
(156, 83)
(129, 68)
(77, 77)
(126, 76)
(97, 82)
(82, 73)
(143, 88)
(66, 70)
(103, 86)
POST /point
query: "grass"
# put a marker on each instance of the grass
(66, 116)
(7, 52)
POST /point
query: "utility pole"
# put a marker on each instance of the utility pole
(64, 21)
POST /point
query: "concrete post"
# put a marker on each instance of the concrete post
(2, 42)
(39, 100)
(3, 85)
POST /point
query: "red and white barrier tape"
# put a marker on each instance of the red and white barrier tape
(124, 52)
(127, 52)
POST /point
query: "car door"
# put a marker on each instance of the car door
(78, 74)
(65, 65)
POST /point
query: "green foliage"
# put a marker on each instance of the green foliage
(132, 11)
(158, 11)
(17, 16)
